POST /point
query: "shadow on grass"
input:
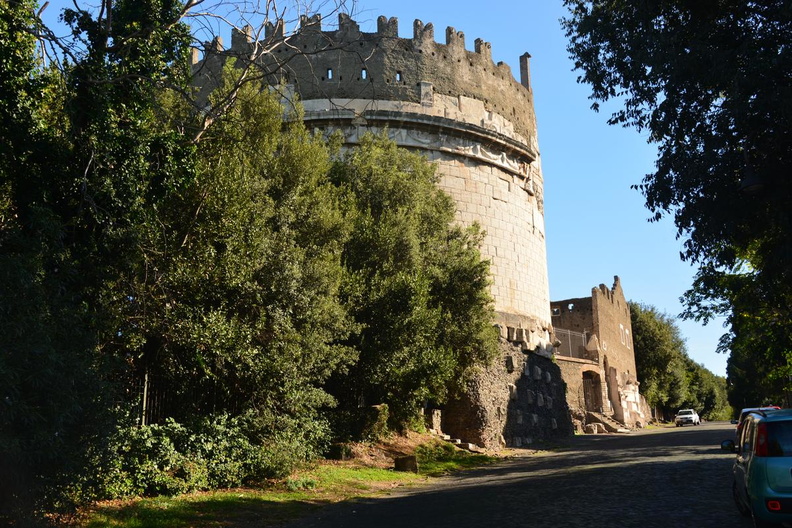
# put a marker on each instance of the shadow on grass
(228, 509)
(293, 499)
(437, 468)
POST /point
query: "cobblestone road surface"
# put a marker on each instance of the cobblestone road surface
(673, 477)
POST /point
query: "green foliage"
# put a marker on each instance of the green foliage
(416, 283)
(215, 452)
(245, 311)
(709, 81)
(670, 380)
(52, 401)
(435, 452)
(239, 266)
(660, 354)
(300, 484)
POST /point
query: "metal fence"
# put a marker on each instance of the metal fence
(573, 344)
(155, 398)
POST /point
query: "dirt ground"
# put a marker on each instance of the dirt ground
(382, 454)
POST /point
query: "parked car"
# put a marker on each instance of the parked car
(686, 416)
(744, 413)
(762, 481)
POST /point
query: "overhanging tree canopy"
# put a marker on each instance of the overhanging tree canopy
(711, 82)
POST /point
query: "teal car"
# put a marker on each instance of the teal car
(762, 486)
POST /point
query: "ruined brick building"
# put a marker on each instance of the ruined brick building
(477, 123)
(597, 358)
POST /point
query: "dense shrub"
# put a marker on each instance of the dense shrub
(172, 458)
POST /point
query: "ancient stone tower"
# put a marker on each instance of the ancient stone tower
(469, 116)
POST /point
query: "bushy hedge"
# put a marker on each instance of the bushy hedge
(172, 458)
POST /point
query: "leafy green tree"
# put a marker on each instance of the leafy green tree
(417, 284)
(706, 392)
(710, 83)
(216, 265)
(669, 378)
(660, 354)
(51, 401)
(138, 238)
(128, 250)
(755, 377)
(245, 312)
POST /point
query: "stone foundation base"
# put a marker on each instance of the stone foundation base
(516, 402)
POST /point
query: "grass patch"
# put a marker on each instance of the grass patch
(295, 497)
(440, 458)
(287, 500)
(226, 508)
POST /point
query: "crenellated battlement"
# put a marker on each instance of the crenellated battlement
(457, 107)
(346, 63)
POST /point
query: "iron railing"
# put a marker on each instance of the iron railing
(573, 344)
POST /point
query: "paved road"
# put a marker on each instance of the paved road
(668, 478)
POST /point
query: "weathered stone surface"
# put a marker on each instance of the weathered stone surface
(406, 463)
(434, 420)
(486, 413)
(509, 364)
(599, 369)
(600, 427)
(590, 429)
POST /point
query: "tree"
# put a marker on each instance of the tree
(52, 401)
(710, 83)
(244, 314)
(417, 284)
(660, 354)
(126, 249)
(220, 250)
(670, 380)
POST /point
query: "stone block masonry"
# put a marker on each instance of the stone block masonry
(520, 401)
(462, 111)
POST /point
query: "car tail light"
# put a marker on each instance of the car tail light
(773, 505)
(760, 449)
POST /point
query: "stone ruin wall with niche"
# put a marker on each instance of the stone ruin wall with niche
(606, 315)
(458, 108)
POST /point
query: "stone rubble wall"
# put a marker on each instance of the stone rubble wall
(518, 402)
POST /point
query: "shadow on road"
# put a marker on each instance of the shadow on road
(663, 478)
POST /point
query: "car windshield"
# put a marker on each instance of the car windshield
(779, 435)
(685, 412)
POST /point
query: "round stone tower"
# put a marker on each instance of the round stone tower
(461, 110)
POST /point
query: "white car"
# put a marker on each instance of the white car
(687, 416)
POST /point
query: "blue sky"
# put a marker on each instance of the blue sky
(596, 225)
